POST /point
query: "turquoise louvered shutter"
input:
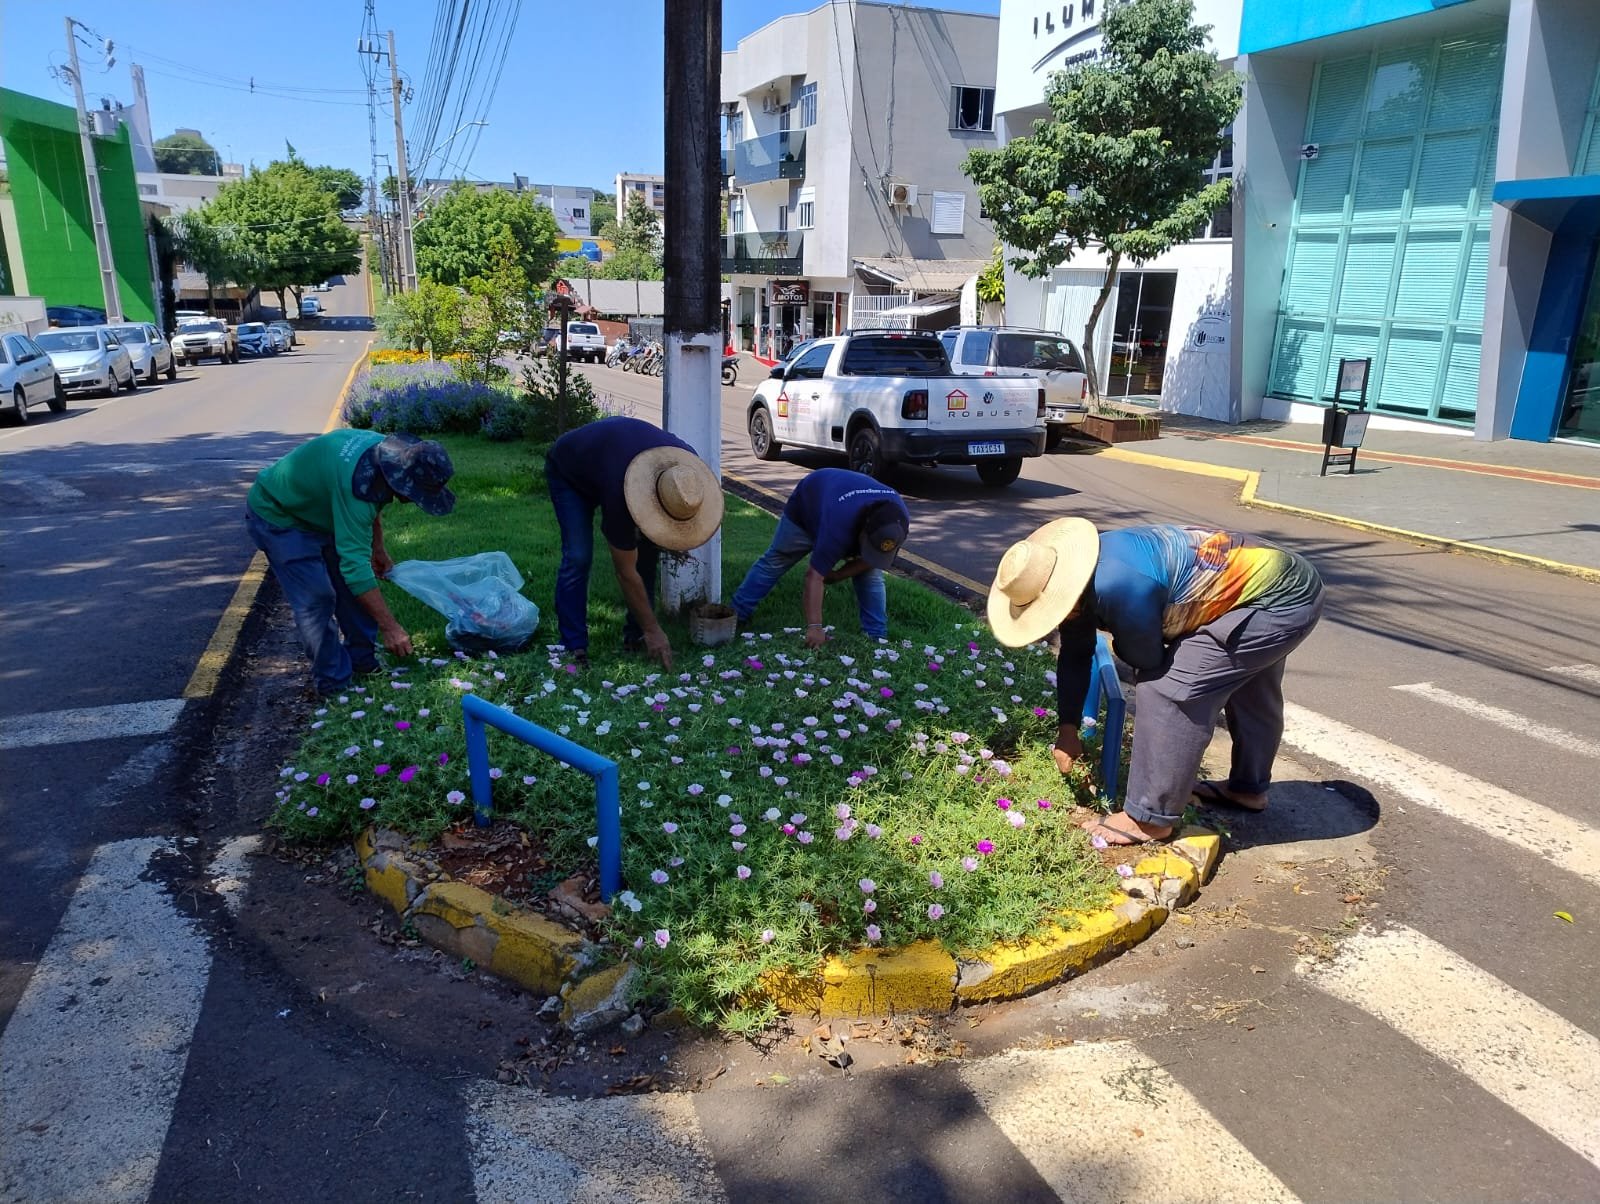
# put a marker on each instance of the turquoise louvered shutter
(1341, 89)
(1297, 358)
(1308, 287)
(1466, 86)
(1368, 267)
(1382, 178)
(1447, 175)
(1476, 277)
(1429, 265)
(1399, 91)
(1460, 396)
(1325, 185)
(1410, 369)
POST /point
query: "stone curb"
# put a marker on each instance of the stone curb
(532, 952)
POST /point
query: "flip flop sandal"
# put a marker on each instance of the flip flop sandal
(1209, 794)
(1127, 840)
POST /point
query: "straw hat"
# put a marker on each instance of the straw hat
(1040, 580)
(674, 497)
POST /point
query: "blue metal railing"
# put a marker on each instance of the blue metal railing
(476, 715)
(1103, 680)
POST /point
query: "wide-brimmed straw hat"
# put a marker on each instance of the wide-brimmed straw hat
(1040, 580)
(674, 497)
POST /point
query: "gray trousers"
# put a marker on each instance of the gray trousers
(1233, 666)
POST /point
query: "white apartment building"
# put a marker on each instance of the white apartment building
(846, 127)
(652, 190)
(1165, 330)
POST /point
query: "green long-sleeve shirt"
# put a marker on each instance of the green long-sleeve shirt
(310, 488)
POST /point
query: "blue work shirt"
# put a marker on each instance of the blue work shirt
(828, 505)
(594, 460)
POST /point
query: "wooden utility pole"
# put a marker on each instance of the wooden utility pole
(692, 394)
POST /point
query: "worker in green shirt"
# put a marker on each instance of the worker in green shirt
(318, 515)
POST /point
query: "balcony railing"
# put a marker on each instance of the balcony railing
(763, 253)
(780, 156)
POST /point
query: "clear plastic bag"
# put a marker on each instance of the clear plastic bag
(479, 596)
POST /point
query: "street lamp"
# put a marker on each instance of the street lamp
(408, 251)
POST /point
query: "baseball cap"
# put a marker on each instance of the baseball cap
(883, 530)
(417, 470)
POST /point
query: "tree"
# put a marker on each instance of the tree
(1121, 160)
(638, 244)
(186, 155)
(499, 303)
(205, 248)
(427, 319)
(283, 229)
(456, 237)
(349, 190)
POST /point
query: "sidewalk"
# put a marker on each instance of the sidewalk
(1520, 501)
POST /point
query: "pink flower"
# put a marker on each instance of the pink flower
(885, 692)
(455, 798)
(971, 647)
(1003, 803)
(696, 788)
(767, 936)
(935, 879)
(935, 912)
(867, 886)
(570, 668)
(934, 666)
(663, 938)
(870, 906)
(367, 804)
(351, 779)
(669, 828)
(312, 813)
(916, 839)
(380, 770)
(805, 837)
(322, 779)
(444, 758)
(400, 725)
(1040, 713)
(743, 871)
(874, 831)
(843, 832)
(985, 847)
(969, 864)
(788, 829)
(1099, 841)
(874, 934)
(496, 774)
(659, 877)
(1124, 871)
(1044, 804)
(1016, 819)
(409, 772)
(738, 845)
(736, 830)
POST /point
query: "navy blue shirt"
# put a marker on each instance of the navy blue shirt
(828, 504)
(594, 460)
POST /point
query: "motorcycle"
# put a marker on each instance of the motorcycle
(635, 358)
(730, 369)
(619, 352)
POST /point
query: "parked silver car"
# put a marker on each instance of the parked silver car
(149, 350)
(288, 331)
(89, 359)
(277, 339)
(28, 377)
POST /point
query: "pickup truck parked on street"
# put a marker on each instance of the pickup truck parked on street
(1049, 357)
(585, 342)
(205, 338)
(889, 397)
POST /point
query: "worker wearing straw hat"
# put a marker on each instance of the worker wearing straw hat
(1205, 618)
(652, 492)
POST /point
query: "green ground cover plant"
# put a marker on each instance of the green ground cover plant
(778, 805)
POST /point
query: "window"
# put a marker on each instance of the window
(949, 213)
(735, 213)
(805, 209)
(810, 365)
(579, 214)
(1039, 352)
(808, 105)
(895, 355)
(736, 126)
(1588, 163)
(971, 108)
(1221, 223)
(977, 348)
(783, 217)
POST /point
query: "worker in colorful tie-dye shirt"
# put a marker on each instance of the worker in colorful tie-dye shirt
(1205, 618)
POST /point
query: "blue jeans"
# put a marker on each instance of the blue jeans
(306, 565)
(790, 545)
(575, 519)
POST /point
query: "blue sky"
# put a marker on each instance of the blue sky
(579, 100)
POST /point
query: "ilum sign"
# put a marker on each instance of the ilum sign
(1070, 28)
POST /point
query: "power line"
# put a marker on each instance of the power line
(249, 82)
(254, 91)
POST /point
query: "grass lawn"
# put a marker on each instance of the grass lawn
(778, 804)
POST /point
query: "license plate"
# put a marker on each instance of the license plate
(986, 449)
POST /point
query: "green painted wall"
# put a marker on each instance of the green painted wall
(57, 251)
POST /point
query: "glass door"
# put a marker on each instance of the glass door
(1139, 333)
(1580, 409)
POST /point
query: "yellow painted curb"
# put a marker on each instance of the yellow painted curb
(1250, 480)
(871, 982)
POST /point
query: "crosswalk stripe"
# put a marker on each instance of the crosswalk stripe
(531, 1148)
(1510, 720)
(1588, 673)
(1549, 834)
(1103, 1122)
(91, 723)
(91, 1061)
(1512, 1046)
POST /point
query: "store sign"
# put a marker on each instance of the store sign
(789, 292)
(1073, 31)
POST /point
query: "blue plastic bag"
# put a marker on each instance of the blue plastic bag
(479, 596)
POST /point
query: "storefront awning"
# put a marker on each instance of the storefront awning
(919, 309)
(1570, 203)
(923, 275)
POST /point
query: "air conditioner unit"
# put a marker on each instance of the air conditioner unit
(900, 194)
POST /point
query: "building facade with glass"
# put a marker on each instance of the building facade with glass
(1421, 188)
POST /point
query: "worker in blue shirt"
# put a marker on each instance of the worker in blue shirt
(1205, 618)
(652, 492)
(851, 527)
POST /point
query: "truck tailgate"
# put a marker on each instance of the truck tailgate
(959, 404)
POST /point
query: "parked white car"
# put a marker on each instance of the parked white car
(28, 377)
(149, 350)
(888, 397)
(205, 338)
(89, 359)
(254, 339)
(310, 307)
(1050, 357)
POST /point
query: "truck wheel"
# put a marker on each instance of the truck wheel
(762, 445)
(866, 453)
(997, 474)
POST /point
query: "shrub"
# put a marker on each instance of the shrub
(422, 398)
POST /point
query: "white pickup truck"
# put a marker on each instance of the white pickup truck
(888, 397)
(1049, 357)
(585, 342)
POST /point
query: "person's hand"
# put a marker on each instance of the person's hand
(1068, 747)
(816, 636)
(657, 647)
(382, 563)
(396, 642)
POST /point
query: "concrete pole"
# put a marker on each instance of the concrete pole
(692, 401)
(408, 250)
(91, 170)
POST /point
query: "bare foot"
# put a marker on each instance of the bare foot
(1217, 794)
(1120, 829)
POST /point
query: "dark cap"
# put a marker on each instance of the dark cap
(883, 530)
(417, 470)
